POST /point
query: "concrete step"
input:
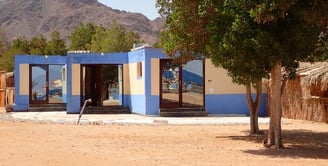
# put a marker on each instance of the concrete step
(183, 112)
(46, 109)
(106, 110)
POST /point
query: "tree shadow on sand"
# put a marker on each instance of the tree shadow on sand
(297, 144)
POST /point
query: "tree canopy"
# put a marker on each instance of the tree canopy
(95, 38)
(3, 43)
(56, 45)
(81, 36)
(114, 39)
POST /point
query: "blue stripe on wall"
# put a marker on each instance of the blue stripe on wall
(137, 56)
(231, 104)
(152, 105)
(136, 103)
(37, 59)
(21, 103)
(98, 58)
(73, 104)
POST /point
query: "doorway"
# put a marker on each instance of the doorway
(103, 84)
(47, 83)
(181, 85)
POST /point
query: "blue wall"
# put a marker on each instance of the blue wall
(36, 59)
(231, 104)
(97, 58)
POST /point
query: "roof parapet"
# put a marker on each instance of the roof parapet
(139, 46)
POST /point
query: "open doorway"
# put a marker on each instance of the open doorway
(103, 84)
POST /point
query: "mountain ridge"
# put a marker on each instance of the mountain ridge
(30, 18)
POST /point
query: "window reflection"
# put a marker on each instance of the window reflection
(193, 83)
(57, 83)
(39, 83)
(170, 83)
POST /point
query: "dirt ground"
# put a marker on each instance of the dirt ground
(29, 143)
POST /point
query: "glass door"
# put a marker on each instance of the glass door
(170, 95)
(181, 85)
(39, 84)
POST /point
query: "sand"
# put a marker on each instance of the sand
(32, 143)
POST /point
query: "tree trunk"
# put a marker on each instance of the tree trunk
(254, 106)
(274, 135)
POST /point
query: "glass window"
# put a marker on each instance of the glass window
(139, 69)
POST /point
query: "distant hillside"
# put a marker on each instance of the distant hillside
(29, 18)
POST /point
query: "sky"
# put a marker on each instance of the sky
(146, 7)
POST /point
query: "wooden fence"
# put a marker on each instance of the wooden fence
(2, 88)
(7, 90)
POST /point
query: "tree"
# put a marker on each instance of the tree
(97, 39)
(21, 44)
(3, 43)
(7, 59)
(301, 35)
(188, 34)
(114, 39)
(246, 41)
(56, 45)
(81, 36)
(37, 46)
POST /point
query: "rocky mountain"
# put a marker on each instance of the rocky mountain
(29, 18)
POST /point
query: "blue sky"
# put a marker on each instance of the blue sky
(146, 7)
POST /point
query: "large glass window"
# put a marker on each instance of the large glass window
(39, 83)
(182, 85)
(193, 83)
(57, 81)
(170, 83)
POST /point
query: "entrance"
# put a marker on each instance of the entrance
(181, 85)
(102, 84)
(47, 83)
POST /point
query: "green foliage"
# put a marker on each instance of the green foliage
(7, 59)
(98, 38)
(37, 46)
(232, 34)
(21, 44)
(40, 46)
(56, 45)
(114, 39)
(3, 44)
(185, 36)
(313, 11)
(82, 35)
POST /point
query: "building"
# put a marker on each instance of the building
(145, 80)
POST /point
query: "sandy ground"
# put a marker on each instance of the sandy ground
(31, 143)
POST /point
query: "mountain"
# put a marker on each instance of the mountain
(30, 18)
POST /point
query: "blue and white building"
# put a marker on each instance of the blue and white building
(145, 80)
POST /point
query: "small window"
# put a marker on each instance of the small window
(139, 69)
